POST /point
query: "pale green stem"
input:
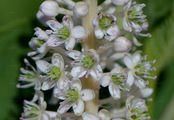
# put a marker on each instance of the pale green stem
(90, 42)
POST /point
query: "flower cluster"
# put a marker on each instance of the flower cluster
(81, 51)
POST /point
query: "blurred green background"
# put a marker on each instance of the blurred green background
(17, 20)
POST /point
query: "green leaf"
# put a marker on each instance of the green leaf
(157, 10)
(159, 47)
(15, 22)
(165, 94)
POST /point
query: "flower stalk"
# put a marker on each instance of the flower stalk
(90, 42)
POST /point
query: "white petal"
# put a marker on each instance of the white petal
(78, 32)
(89, 116)
(140, 83)
(63, 84)
(74, 54)
(54, 42)
(57, 60)
(87, 94)
(69, 45)
(126, 25)
(43, 66)
(96, 73)
(76, 84)
(128, 62)
(78, 108)
(59, 93)
(105, 80)
(117, 56)
(78, 72)
(67, 21)
(119, 2)
(99, 34)
(64, 107)
(114, 91)
(42, 49)
(104, 114)
(136, 58)
(117, 69)
(112, 33)
(130, 79)
(53, 24)
(146, 92)
(40, 33)
(48, 84)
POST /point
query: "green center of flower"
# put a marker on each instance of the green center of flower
(55, 73)
(73, 95)
(105, 22)
(88, 62)
(132, 12)
(29, 76)
(137, 113)
(64, 33)
(117, 79)
(40, 43)
(33, 112)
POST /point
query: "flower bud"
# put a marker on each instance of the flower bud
(122, 44)
(119, 2)
(49, 8)
(81, 9)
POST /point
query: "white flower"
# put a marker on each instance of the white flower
(38, 44)
(139, 70)
(116, 80)
(54, 73)
(134, 20)
(65, 33)
(49, 8)
(105, 27)
(119, 2)
(33, 111)
(29, 78)
(136, 109)
(122, 44)
(85, 63)
(74, 97)
(101, 115)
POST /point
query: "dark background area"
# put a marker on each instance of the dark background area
(17, 20)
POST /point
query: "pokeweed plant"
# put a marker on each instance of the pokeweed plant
(94, 46)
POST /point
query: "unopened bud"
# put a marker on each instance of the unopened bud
(49, 8)
(122, 44)
(81, 9)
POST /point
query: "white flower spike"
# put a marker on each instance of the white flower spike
(88, 51)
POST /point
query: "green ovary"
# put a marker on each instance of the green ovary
(73, 95)
(117, 80)
(29, 76)
(64, 33)
(40, 43)
(88, 62)
(105, 22)
(55, 73)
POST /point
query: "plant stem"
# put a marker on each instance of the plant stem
(90, 42)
